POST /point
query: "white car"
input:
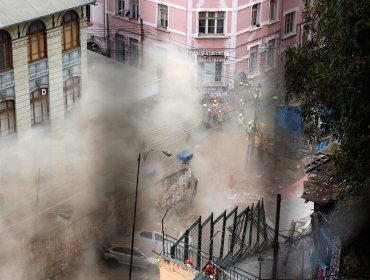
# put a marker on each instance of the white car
(154, 240)
(121, 254)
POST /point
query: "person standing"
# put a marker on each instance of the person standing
(241, 121)
(250, 131)
(241, 105)
(219, 120)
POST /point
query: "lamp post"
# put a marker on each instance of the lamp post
(168, 154)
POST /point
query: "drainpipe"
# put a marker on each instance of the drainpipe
(108, 38)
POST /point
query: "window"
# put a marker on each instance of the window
(256, 15)
(163, 16)
(39, 105)
(136, 253)
(119, 250)
(71, 38)
(121, 7)
(71, 88)
(88, 14)
(289, 23)
(36, 41)
(134, 53)
(135, 11)
(146, 234)
(7, 117)
(200, 71)
(121, 50)
(218, 71)
(211, 23)
(158, 237)
(253, 63)
(210, 71)
(272, 14)
(5, 51)
(270, 51)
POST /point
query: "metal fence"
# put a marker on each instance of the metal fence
(223, 240)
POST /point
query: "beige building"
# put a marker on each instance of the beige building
(43, 62)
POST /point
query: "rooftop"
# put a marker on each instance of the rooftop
(18, 11)
(320, 187)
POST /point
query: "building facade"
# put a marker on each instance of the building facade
(42, 63)
(224, 37)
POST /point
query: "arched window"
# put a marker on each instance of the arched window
(71, 36)
(71, 92)
(7, 117)
(36, 41)
(5, 51)
(39, 105)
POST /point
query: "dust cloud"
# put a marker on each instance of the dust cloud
(57, 185)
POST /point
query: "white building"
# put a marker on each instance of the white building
(43, 62)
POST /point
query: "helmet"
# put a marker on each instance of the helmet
(219, 111)
(249, 122)
(205, 105)
(241, 99)
(240, 114)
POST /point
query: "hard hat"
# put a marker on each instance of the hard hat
(240, 114)
(249, 122)
(241, 99)
(205, 105)
(219, 111)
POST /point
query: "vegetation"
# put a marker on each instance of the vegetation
(329, 73)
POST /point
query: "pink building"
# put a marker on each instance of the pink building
(225, 37)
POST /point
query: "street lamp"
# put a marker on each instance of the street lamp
(168, 154)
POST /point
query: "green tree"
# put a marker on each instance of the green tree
(329, 73)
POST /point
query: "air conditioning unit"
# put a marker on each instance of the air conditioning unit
(43, 91)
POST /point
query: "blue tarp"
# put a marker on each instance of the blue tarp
(290, 140)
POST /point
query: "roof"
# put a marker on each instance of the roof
(320, 188)
(17, 11)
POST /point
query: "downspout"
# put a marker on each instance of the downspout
(108, 39)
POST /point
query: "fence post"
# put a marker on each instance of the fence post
(199, 244)
(223, 235)
(276, 237)
(233, 231)
(211, 237)
(258, 222)
(245, 226)
(186, 246)
(251, 226)
(264, 222)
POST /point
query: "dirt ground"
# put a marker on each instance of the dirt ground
(172, 271)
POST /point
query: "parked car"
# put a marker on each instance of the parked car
(120, 254)
(154, 240)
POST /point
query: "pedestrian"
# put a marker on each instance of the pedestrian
(219, 120)
(209, 118)
(241, 121)
(249, 130)
(241, 105)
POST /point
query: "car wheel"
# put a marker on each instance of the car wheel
(112, 262)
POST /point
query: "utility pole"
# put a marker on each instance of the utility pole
(256, 95)
(252, 137)
(276, 237)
